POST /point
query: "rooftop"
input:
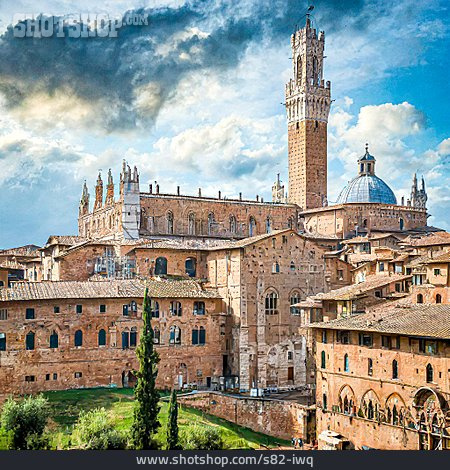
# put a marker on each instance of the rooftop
(158, 288)
(431, 321)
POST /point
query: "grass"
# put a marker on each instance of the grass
(66, 405)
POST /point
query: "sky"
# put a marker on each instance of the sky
(194, 99)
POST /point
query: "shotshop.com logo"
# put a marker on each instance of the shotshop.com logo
(82, 25)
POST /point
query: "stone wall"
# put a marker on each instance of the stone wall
(278, 418)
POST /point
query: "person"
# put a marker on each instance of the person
(294, 442)
(300, 442)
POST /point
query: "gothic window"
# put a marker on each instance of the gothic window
(199, 308)
(155, 309)
(195, 336)
(169, 218)
(191, 224)
(54, 340)
(133, 337)
(268, 225)
(394, 369)
(156, 335)
(102, 338)
(295, 299)
(175, 335)
(190, 267)
(29, 341)
(211, 223)
(252, 227)
(233, 224)
(271, 303)
(323, 360)
(161, 266)
(346, 363)
(438, 298)
(175, 308)
(419, 298)
(429, 373)
(275, 268)
(78, 341)
(125, 339)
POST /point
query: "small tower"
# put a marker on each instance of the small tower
(308, 100)
(109, 200)
(418, 196)
(366, 163)
(98, 193)
(84, 202)
(278, 194)
(131, 202)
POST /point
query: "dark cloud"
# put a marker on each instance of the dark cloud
(107, 72)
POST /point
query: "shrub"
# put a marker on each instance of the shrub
(25, 421)
(94, 431)
(201, 438)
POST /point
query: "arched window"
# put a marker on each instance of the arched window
(292, 266)
(268, 225)
(169, 218)
(155, 308)
(419, 298)
(125, 339)
(252, 227)
(211, 223)
(438, 298)
(394, 369)
(402, 223)
(175, 308)
(190, 267)
(161, 266)
(54, 340)
(369, 367)
(233, 224)
(275, 268)
(29, 341)
(365, 223)
(156, 335)
(175, 335)
(78, 338)
(346, 363)
(295, 299)
(429, 373)
(133, 337)
(323, 360)
(191, 224)
(102, 338)
(271, 303)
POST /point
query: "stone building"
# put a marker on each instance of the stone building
(70, 334)
(382, 379)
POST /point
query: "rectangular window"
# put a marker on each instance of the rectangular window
(30, 378)
(3, 314)
(47, 376)
(340, 274)
(365, 340)
(386, 342)
(343, 337)
(437, 272)
(125, 310)
(195, 336)
(396, 342)
(199, 308)
(369, 367)
(55, 376)
(378, 294)
(324, 336)
(398, 287)
(56, 309)
(428, 347)
(133, 339)
(29, 314)
(290, 355)
(78, 375)
(102, 308)
(2, 341)
(381, 267)
(79, 308)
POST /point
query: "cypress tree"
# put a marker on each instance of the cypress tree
(145, 419)
(172, 423)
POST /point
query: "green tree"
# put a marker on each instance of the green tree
(172, 423)
(94, 431)
(26, 420)
(145, 418)
(200, 437)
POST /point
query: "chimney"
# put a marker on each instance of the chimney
(220, 194)
(240, 196)
(150, 188)
(257, 198)
(178, 190)
(199, 192)
(157, 189)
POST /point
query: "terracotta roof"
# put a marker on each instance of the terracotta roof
(158, 288)
(418, 320)
(417, 261)
(64, 240)
(27, 250)
(439, 238)
(443, 258)
(355, 290)
(361, 257)
(355, 240)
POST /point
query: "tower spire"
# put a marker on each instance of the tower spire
(98, 192)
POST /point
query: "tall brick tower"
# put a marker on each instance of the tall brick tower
(308, 101)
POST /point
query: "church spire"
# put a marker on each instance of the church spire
(98, 193)
(84, 202)
(109, 190)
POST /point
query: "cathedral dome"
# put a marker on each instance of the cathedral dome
(367, 187)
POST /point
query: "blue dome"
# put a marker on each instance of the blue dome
(367, 188)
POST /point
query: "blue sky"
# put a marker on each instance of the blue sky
(193, 99)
